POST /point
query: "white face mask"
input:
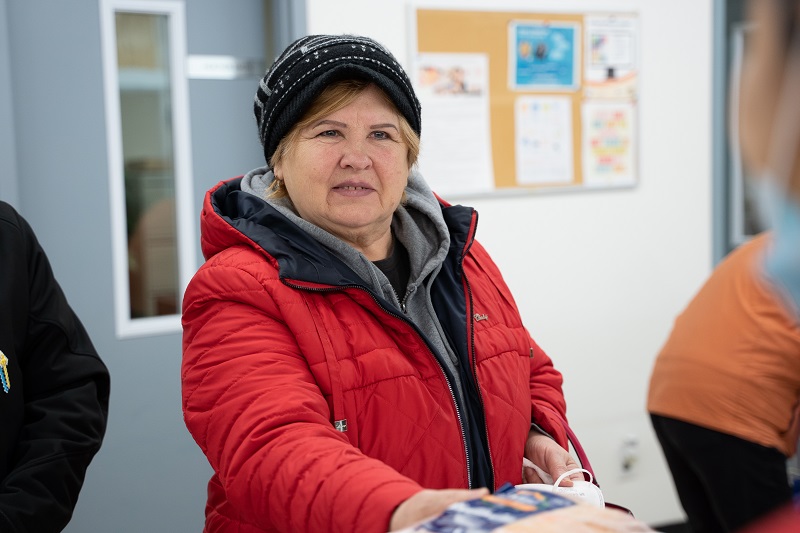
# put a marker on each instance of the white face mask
(583, 491)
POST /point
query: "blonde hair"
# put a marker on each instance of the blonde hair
(333, 98)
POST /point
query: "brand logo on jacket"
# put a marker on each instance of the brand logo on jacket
(4, 372)
(478, 317)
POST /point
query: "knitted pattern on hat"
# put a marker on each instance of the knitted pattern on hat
(310, 64)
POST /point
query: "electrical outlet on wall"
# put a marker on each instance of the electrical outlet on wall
(629, 456)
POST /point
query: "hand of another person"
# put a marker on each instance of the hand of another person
(577, 519)
(428, 503)
(546, 453)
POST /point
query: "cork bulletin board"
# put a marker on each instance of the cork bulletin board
(551, 105)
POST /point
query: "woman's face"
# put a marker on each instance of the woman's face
(348, 170)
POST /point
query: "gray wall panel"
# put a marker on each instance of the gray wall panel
(150, 476)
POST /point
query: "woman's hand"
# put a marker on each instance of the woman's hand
(546, 453)
(428, 503)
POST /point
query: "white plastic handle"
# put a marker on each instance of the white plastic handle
(570, 472)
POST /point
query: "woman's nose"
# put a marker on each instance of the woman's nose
(355, 156)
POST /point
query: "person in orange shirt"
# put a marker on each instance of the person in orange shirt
(723, 395)
(724, 390)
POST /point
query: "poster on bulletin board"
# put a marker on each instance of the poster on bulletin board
(540, 101)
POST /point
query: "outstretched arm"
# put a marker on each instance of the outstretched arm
(258, 413)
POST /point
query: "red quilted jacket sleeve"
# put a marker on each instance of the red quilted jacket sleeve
(549, 409)
(252, 405)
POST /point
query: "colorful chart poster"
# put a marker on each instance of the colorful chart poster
(608, 144)
(544, 55)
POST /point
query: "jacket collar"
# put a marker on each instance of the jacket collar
(231, 216)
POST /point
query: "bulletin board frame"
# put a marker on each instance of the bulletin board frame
(589, 101)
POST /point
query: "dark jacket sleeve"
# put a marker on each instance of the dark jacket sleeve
(63, 411)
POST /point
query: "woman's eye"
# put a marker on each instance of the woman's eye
(328, 133)
(380, 135)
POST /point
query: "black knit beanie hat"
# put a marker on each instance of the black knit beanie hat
(310, 64)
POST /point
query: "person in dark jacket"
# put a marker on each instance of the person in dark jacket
(55, 389)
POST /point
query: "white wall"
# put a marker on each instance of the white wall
(599, 276)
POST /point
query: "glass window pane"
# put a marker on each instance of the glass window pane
(148, 153)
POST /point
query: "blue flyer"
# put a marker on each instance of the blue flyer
(543, 55)
(506, 506)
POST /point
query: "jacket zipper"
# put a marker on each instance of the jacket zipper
(430, 351)
(401, 302)
(471, 323)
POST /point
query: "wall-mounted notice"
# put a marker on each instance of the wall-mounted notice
(552, 101)
(543, 55)
(544, 140)
(608, 144)
(453, 90)
(611, 57)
